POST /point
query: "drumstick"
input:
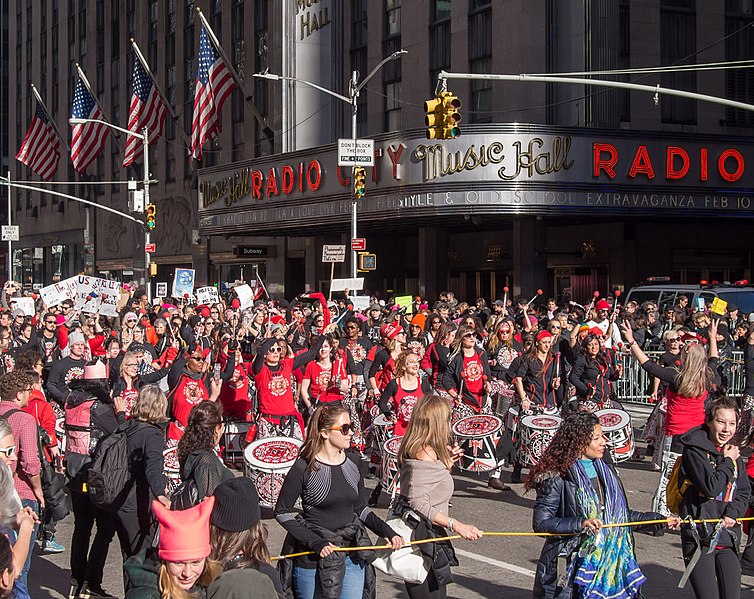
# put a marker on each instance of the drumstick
(595, 295)
(615, 304)
(539, 292)
(505, 300)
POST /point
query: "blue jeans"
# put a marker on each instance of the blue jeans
(20, 589)
(306, 585)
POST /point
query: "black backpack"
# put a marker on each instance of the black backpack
(109, 474)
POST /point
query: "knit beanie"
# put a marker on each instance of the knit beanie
(184, 534)
(236, 505)
(419, 320)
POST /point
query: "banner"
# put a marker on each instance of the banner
(245, 296)
(404, 301)
(207, 296)
(54, 294)
(183, 282)
(97, 296)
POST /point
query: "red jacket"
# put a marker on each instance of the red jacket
(45, 417)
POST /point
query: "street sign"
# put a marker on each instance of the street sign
(10, 233)
(359, 152)
(150, 248)
(333, 253)
(358, 244)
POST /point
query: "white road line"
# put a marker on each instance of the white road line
(494, 562)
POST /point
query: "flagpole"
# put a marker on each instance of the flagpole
(173, 115)
(96, 101)
(257, 115)
(49, 116)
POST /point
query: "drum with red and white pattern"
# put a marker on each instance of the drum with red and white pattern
(390, 473)
(234, 442)
(478, 436)
(535, 434)
(59, 425)
(511, 419)
(616, 426)
(266, 463)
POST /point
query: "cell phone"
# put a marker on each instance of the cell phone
(216, 372)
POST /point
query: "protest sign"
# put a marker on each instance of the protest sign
(54, 294)
(97, 296)
(207, 296)
(25, 304)
(360, 302)
(245, 296)
(183, 282)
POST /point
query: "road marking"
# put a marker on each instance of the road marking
(498, 563)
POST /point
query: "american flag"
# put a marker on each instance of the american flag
(213, 86)
(40, 148)
(147, 110)
(89, 138)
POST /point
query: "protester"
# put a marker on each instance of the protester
(578, 493)
(425, 460)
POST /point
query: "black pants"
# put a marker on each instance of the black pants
(429, 589)
(717, 575)
(135, 531)
(87, 565)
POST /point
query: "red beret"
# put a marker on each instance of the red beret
(543, 335)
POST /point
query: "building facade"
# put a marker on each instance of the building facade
(563, 188)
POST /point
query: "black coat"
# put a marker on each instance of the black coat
(710, 474)
(590, 377)
(145, 461)
(556, 511)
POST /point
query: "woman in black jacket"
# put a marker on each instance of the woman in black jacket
(196, 454)
(578, 493)
(591, 375)
(467, 377)
(134, 519)
(715, 486)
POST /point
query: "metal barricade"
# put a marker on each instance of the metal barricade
(635, 384)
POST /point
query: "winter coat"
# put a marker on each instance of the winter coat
(145, 461)
(245, 583)
(556, 510)
(590, 377)
(711, 476)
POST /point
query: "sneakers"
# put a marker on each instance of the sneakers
(75, 589)
(496, 483)
(50, 546)
(94, 591)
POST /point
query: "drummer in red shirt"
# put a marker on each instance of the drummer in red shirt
(325, 379)
(401, 394)
(467, 377)
(272, 370)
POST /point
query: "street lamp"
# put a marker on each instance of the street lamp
(144, 137)
(354, 87)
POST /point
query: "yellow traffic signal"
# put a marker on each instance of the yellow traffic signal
(434, 118)
(151, 210)
(451, 108)
(153, 269)
(359, 181)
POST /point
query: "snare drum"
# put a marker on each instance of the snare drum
(382, 430)
(511, 419)
(616, 426)
(234, 441)
(171, 467)
(478, 436)
(266, 462)
(535, 434)
(390, 474)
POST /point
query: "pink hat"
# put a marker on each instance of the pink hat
(184, 534)
(97, 370)
(602, 305)
(391, 331)
(597, 331)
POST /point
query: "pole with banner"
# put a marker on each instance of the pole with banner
(333, 254)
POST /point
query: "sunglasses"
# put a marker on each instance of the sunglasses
(51, 321)
(8, 451)
(468, 335)
(554, 327)
(671, 339)
(275, 350)
(344, 429)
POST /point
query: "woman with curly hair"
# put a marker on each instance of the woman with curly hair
(577, 493)
(591, 375)
(196, 449)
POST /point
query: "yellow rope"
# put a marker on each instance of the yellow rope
(503, 534)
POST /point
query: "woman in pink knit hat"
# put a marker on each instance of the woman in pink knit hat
(179, 567)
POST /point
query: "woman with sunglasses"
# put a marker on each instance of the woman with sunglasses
(435, 360)
(689, 384)
(467, 377)
(417, 341)
(272, 370)
(131, 378)
(325, 379)
(328, 479)
(432, 327)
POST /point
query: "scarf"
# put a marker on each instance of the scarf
(605, 567)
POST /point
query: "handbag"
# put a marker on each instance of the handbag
(407, 563)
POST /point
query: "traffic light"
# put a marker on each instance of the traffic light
(151, 216)
(434, 118)
(451, 107)
(153, 269)
(359, 182)
(367, 262)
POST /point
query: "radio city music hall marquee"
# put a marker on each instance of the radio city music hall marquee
(507, 169)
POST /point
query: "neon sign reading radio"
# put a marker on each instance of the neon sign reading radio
(730, 164)
(273, 182)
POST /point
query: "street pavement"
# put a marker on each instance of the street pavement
(490, 567)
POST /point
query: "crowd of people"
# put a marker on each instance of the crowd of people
(324, 388)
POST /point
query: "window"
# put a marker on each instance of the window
(678, 46)
(262, 143)
(100, 8)
(391, 80)
(359, 54)
(115, 88)
(216, 18)
(624, 58)
(439, 40)
(392, 17)
(115, 27)
(739, 45)
(82, 30)
(480, 61)
(152, 36)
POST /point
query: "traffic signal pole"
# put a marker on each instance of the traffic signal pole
(656, 89)
(353, 92)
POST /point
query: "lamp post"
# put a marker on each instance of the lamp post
(144, 137)
(354, 87)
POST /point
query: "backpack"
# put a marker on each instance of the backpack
(109, 474)
(676, 488)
